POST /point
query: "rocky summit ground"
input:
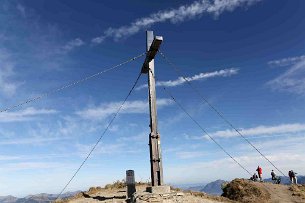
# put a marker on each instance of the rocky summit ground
(117, 194)
(238, 190)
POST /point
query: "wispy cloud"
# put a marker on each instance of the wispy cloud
(201, 76)
(21, 9)
(8, 86)
(183, 13)
(107, 149)
(24, 115)
(292, 80)
(33, 165)
(31, 140)
(291, 144)
(262, 130)
(190, 155)
(132, 107)
(73, 44)
(256, 131)
(286, 61)
(82, 150)
(140, 138)
(8, 158)
(40, 44)
(193, 137)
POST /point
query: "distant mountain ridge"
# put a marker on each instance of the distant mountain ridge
(8, 199)
(196, 188)
(38, 198)
(212, 188)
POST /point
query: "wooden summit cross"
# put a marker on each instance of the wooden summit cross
(152, 46)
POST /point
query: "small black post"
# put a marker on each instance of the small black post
(131, 183)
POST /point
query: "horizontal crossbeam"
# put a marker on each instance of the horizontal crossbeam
(150, 55)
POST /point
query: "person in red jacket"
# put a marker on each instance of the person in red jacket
(260, 173)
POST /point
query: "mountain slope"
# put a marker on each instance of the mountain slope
(8, 199)
(242, 190)
(38, 198)
(213, 188)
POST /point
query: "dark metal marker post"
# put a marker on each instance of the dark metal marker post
(131, 183)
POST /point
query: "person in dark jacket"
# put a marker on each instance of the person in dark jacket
(254, 177)
(276, 179)
(273, 175)
(290, 176)
(294, 177)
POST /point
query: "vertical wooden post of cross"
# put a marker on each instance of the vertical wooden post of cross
(153, 44)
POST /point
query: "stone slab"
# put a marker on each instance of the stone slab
(161, 189)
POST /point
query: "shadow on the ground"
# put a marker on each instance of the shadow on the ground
(101, 198)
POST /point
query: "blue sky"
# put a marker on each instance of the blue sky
(247, 57)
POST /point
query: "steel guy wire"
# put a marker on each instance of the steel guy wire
(102, 135)
(178, 71)
(196, 122)
(71, 84)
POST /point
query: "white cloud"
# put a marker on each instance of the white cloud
(120, 147)
(262, 130)
(32, 165)
(140, 138)
(28, 157)
(24, 115)
(286, 144)
(206, 170)
(21, 9)
(211, 170)
(290, 143)
(132, 107)
(99, 40)
(37, 140)
(105, 149)
(259, 131)
(8, 158)
(293, 80)
(190, 155)
(192, 137)
(201, 76)
(8, 86)
(286, 61)
(73, 44)
(183, 13)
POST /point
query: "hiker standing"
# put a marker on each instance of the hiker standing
(273, 176)
(275, 179)
(260, 173)
(290, 176)
(294, 177)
